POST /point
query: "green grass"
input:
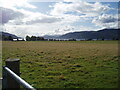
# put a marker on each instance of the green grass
(66, 64)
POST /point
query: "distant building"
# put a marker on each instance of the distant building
(18, 39)
(15, 39)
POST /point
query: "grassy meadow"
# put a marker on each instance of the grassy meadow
(66, 64)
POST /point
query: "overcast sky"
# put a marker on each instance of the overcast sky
(24, 17)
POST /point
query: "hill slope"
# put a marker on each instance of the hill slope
(8, 34)
(101, 34)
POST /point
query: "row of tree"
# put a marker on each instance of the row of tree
(6, 38)
(10, 38)
(34, 38)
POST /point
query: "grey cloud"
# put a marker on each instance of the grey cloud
(8, 14)
(109, 19)
(18, 18)
(106, 20)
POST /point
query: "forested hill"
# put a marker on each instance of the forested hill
(7, 36)
(101, 34)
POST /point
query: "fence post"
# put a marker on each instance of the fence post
(14, 65)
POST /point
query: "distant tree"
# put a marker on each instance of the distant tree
(40, 38)
(0, 37)
(10, 38)
(102, 39)
(33, 38)
(72, 39)
(3, 37)
(50, 39)
(89, 39)
(28, 38)
(115, 38)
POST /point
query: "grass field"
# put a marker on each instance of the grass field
(66, 64)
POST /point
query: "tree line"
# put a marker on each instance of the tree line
(34, 38)
(10, 38)
(6, 38)
(37, 38)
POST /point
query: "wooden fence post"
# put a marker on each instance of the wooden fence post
(14, 65)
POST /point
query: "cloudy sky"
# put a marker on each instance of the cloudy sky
(35, 17)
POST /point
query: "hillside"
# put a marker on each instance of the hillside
(51, 36)
(7, 36)
(101, 34)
